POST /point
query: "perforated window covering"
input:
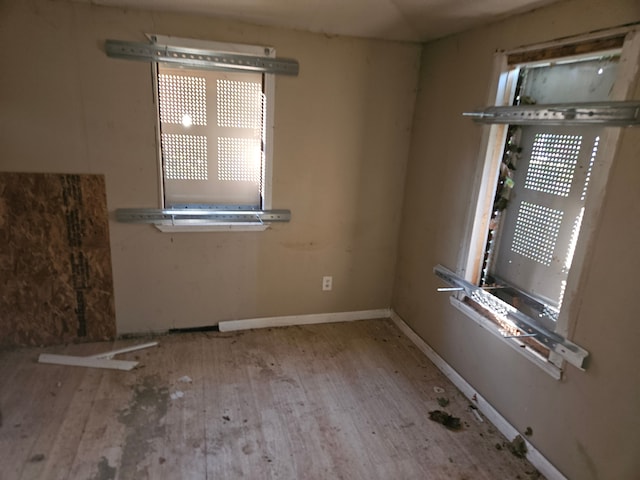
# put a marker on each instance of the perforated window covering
(211, 126)
(551, 171)
(541, 223)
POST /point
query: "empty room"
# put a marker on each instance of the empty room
(357, 239)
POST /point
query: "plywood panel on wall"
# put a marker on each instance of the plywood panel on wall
(55, 265)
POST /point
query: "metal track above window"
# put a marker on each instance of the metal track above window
(193, 216)
(199, 58)
(613, 114)
(571, 352)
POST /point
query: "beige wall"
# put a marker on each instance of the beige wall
(588, 424)
(342, 132)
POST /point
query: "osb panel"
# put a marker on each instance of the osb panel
(56, 283)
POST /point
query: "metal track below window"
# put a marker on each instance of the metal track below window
(198, 217)
(571, 352)
(198, 58)
(612, 114)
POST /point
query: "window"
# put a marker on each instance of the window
(542, 187)
(539, 191)
(215, 127)
(213, 123)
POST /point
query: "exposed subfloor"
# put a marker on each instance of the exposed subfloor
(334, 401)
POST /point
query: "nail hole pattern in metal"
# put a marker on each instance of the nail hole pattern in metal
(553, 162)
(536, 232)
(184, 156)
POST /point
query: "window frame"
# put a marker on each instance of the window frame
(269, 118)
(501, 91)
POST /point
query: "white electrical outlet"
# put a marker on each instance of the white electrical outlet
(327, 283)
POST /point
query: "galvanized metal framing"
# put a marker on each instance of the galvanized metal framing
(199, 58)
(571, 352)
(610, 114)
(194, 216)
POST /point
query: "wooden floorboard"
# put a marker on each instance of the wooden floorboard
(334, 401)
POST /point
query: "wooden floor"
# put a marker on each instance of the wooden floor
(337, 401)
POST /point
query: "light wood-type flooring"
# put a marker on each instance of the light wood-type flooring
(334, 401)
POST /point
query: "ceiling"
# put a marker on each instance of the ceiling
(407, 20)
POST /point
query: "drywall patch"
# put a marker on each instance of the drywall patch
(56, 281)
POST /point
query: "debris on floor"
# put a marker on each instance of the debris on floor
(38, 457)
(477, 415)
(185, 379)
(518, 447)
(177, 394)
(438, 389)
(534, 474)
(443, 401)
(449, 421)
(528, 432)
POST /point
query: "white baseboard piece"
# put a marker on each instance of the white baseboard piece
(290, 320)
(109, 355)
(91, 362)
(543, 465)
(100, 360)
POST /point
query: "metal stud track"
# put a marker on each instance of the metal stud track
(613, 114)
(185, 216)
(198, 58)
(571, 352)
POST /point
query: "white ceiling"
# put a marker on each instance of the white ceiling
(410, 20)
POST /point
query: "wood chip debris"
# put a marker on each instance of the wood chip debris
(518, 447)
(449, 421)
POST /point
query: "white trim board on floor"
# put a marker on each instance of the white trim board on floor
(543, 465)
(290, 320)
(91, 362)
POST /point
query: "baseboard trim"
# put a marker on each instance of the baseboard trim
(543, 465)
(290, 320)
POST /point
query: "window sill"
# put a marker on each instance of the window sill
(217, 227)
(556, 349)
(522, 349)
